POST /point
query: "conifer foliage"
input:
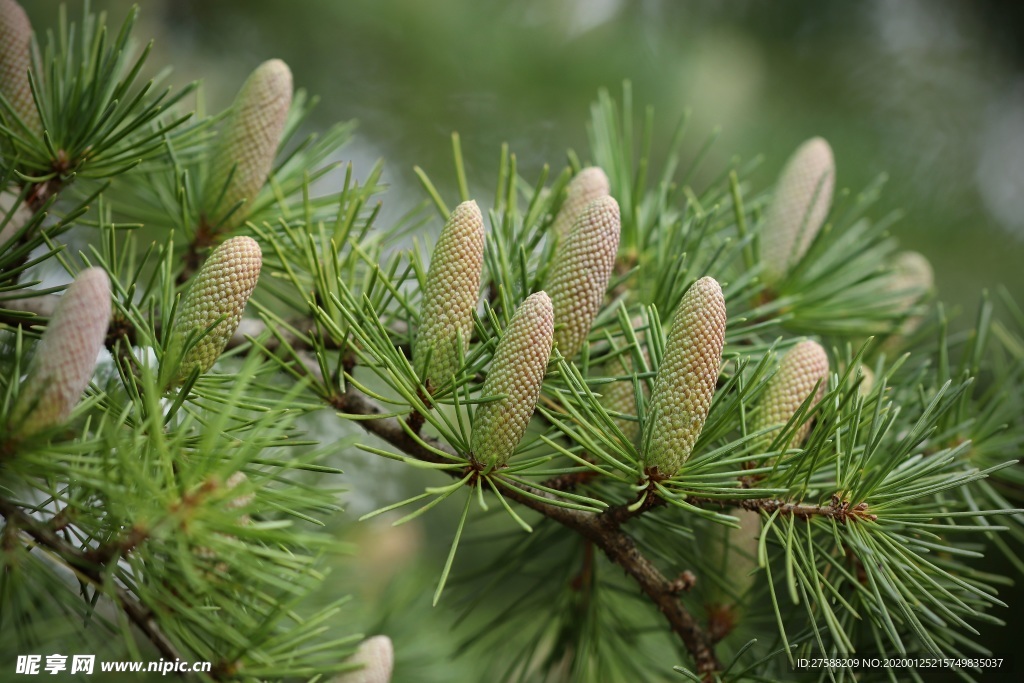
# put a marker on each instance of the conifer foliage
(680, 431)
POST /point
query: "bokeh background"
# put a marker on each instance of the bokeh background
(930, 92)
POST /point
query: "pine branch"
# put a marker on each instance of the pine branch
(837, 509)
(91, 567)
(120, 329)
(603, 529)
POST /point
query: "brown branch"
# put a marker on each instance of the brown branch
(29, 311)
(603, 529)
(83, 564)
(568, 482)
(840, 510)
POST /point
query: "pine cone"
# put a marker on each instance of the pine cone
(732, 555)
(205, 552)
(911, 280)
(583, 266)
(687, 377)
(867, 382)
(247, 144)
(15, 62)
(377, 655)
(517, 371)
(453, 286)
(732, 560)
(802, 200)
(15, 212)
(220, 291)
(803, 366)
(66, 355)
(619, 396)
(589, 184)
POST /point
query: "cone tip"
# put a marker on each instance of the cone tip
(469, 206)
(13, 15)
(275, 68)
(243, 242)
(817, 149)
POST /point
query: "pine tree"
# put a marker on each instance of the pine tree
(800, 461)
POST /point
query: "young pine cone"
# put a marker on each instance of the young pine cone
(803, 366)
(15, 61)
(377, 655)
(867, 382)
(66, 355)
(248, 141)
(911, 280)
(686, 380)
(620, 396)
(732, 555)
(589, 184)
(583, 266)
(219, 291)
(732, 564)
(453, 286)
(802, 200)
(517, 371)
(15, 212)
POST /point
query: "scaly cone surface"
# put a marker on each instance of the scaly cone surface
(579, 278)
(803, 366)
(620, 396)
(219, 291)
(802, 200)
(245, 149)
(732, 556)
(686, 380)
(517, 371)
(589, 184)
(15, 212)
(15, 61)
(377, 655)
(911, 280)
(66, 355)
(450, 297)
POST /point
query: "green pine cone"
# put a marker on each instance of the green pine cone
(219, 291)
(244, 153)
(731, 555)
(377, 655)
(803, 366)
(619, 396)
(583, 266)
(911, 280)
(686, 380)
(802, 200)
(867, 382)
(15, 62)
(517, 371)
(453, 287)
(912, 276)
(66, 355)
(589, 184)
(16, 214)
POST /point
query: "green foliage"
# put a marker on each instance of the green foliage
(186, 519)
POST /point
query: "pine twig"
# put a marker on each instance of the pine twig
(601, 529)
(86, 566)
(836, 509)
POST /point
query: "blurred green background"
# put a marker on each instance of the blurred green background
(929, 91)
